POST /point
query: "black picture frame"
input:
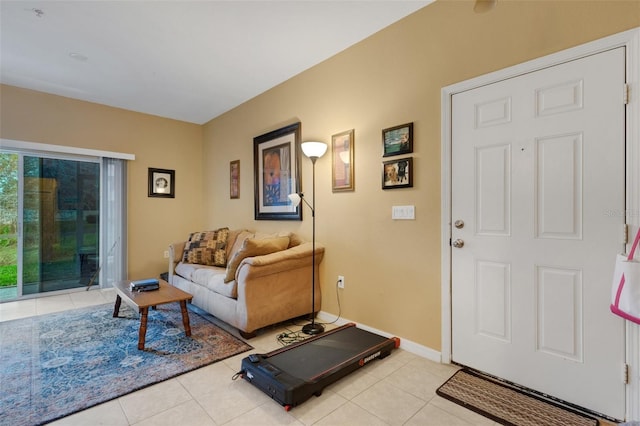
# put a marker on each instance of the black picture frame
(162, 183)
(397, 140)
(276, 158)
(397, 173)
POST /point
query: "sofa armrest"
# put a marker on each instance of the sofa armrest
(275, 287)
(175, 256)
(291, 258)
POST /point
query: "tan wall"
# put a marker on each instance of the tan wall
(156, 142)
(392, 268)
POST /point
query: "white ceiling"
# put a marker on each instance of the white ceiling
(187, 60)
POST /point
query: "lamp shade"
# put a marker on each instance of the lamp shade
(314, 149)
(295, 199)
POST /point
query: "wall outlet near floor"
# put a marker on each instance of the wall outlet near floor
(166, 254)
(340, 281)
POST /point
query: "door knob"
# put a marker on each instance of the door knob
(458, 243)
(459, 224)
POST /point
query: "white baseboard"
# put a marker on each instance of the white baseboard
(407, 345)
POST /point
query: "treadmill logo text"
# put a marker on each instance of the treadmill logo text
(371, 357)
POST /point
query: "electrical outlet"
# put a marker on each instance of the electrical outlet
(340, 281)
(166, 254)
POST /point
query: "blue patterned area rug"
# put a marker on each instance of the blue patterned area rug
(57, 364)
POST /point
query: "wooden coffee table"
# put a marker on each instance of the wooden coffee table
(142, 300)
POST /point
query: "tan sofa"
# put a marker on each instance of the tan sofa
(264, 289)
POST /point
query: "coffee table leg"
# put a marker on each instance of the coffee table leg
(143, 327)
(116, 308)
(185, 317)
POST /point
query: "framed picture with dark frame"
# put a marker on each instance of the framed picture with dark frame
(234, 179)
(397, 173)
(342, 161)
(162, 183)
(397, 140)
(276, 157)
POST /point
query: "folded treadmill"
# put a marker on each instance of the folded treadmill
(292, 374)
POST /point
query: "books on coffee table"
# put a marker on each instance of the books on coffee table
(145, 285)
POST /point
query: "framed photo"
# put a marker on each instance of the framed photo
(397, 173)
(397, 140)
(276, 157)
(162, 183)
(234, 179)
(342, 161)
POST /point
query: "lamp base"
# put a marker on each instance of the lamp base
(312, 328)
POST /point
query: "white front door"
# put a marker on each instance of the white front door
(538, 183)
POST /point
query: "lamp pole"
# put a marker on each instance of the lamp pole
(313, 328)
(313, 150)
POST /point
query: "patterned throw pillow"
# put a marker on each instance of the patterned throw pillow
(207, 248)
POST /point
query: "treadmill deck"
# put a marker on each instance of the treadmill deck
(292, 374)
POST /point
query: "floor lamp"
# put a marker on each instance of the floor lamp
(313, 150)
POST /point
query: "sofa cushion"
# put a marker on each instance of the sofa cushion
(210, 277)
(186, 270)
(213, 279)
(207, 248)
(254, 247)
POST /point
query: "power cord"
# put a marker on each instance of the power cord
(290, 336)
(339, 307)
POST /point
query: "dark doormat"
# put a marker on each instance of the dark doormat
(507, 405)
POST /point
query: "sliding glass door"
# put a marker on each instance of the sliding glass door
(49, 231)
(8, 225)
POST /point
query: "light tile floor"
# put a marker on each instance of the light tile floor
(397, 390)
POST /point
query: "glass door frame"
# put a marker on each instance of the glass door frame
(113, 224)
(22, 153)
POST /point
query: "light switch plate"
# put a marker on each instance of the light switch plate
(403, 212)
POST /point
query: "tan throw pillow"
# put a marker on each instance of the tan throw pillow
(237, 245)
(207, 248)
(254, 247)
